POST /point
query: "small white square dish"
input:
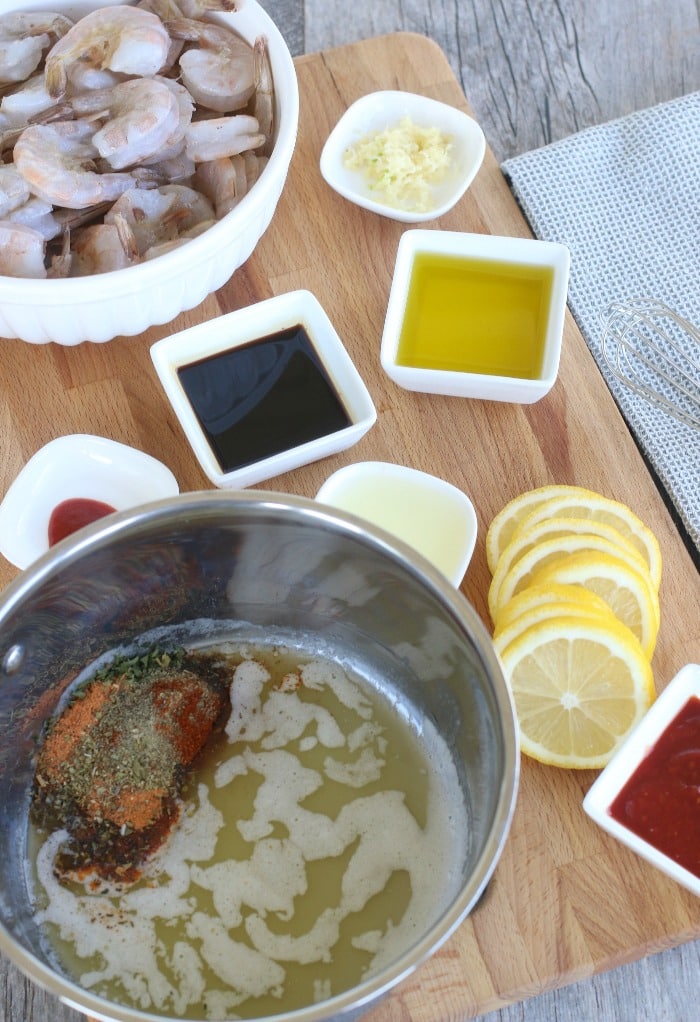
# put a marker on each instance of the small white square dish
(647, 795)
(475, 315)
(72, 481)
(434, 517)
(405, 156)
(264, 390)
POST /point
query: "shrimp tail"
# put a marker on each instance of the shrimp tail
(264, 94)
(198, 8)
(55, 78)
(60, 263)
(127, 239)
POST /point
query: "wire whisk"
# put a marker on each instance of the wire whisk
(655, 353)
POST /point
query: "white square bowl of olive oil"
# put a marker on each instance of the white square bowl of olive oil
(402, 155)
(476, 315)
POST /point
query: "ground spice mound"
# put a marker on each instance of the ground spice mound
(113, 763)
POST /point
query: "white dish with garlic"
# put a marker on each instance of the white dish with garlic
(405, 156)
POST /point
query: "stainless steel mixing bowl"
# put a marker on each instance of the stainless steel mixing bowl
(249, 561)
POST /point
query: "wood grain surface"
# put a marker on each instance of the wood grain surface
(564, 903)
(534, 71)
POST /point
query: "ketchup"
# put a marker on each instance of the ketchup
(661, 800)
(71, 515)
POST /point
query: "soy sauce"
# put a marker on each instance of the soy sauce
(263, 398)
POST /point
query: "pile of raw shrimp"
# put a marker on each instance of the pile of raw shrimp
(124, 133)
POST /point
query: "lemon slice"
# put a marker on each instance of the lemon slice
(510, 579)
(504, 524)
(593, 506)
(548, 530)
(503, 636)
(579, 687)
(627, 591)
(575, 596)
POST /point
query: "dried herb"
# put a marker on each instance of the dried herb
(113, 763)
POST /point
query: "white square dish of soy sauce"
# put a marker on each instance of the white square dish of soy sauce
(264, 390)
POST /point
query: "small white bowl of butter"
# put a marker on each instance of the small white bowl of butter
(428, 513)
(405, 156)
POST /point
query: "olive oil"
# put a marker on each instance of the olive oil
(262, 398)
(482, 316)
(319, 834)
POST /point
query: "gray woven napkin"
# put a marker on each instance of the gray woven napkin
(625, 197)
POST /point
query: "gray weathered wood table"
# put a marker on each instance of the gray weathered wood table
(533, 71)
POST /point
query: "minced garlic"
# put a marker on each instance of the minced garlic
(401, 163)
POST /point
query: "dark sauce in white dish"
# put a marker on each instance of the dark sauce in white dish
(262, 398)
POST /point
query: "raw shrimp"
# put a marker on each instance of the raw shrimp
(17, 108)
(227, 180)
(160, 214)
(223, 182)
(192, 208)
(168, 246)
(101, 248)
(173, 170)
(140, 116)
(57, 161)
(22, 251)
(14, 190)
(19, 206)
(149, 214)
(222, 136)
(175, 144)
(220, 72)
(133, 135)
(120, 38)
(24, 37)
(37, 214)
(83, 77)
(165, 10)
(254, 166)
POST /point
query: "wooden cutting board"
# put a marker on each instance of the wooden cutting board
(566, 900)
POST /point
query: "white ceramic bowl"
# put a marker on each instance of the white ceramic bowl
(75, 466)
(228, 412)
(484, 315)
(380, 110)
(434, 517)
(597, 803)
(129, 301)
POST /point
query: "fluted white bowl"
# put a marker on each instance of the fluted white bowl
(126, 302)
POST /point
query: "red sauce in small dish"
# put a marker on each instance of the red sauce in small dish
(71, 515)
(661, 800)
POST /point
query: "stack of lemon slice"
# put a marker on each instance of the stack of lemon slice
(574, 599)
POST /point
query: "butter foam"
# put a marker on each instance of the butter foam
(206, 934)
